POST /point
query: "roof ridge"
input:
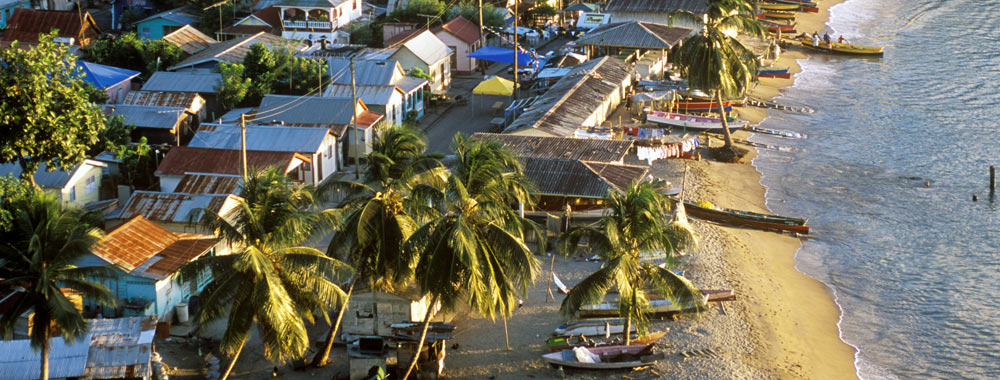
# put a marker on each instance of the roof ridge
(572, 90)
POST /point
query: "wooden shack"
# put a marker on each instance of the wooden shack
(374, 312)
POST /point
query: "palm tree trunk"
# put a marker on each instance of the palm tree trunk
(725, 123)
(423, 336)
(229, 368)
(628, 329)
(322, 358)
(506, 336)
(45, 352)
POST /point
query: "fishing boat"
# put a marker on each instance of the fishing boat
(610, 357)
(773, 72)
(777, 15)
(748, 218)
(657, 305)
(560, 343)
(592, 327)
(839, 48)
(698, 105)
(779, 7)
(692, 122)
(776, 27)
(807, 3)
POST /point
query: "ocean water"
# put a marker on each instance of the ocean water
(895, 151)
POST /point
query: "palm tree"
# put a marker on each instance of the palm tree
(39, 252)
(474, 250)
(715, 61)
(269, 281)
(637, 220)
(378, 219)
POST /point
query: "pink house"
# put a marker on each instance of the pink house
(462, 37)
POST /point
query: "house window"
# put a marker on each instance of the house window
(72, 194)
(145, 32)
(329, 151)
(91, 184)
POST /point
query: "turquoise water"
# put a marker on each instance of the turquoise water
(895, 151)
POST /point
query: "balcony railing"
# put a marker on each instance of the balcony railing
(309, 24)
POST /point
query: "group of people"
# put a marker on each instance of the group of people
(826, 39)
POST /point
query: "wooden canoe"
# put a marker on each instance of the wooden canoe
(560, 343)
(777, 15)
(776, 27)
(779, 7)
(839, 48)
(592, 327)
(697, 105)
(748, 219)
(566, 358)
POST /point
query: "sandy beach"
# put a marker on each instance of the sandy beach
(783, 324)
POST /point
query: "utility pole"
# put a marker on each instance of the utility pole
(243, 144)
(354, 122)
(482, 36)
(218, 5)
(516, 54)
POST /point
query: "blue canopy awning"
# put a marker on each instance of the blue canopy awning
(502, 55)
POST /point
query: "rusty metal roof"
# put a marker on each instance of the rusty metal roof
(656, 6)
(580, 178)
(566, 148)
(190, 101)
(171, 207)
(189, 39)
(635, 34)
(26, 24)
(132, 243)
(232, 51)
(195, 183)
(567, 104)
(184, 250)
(183, 159)
(459, 27)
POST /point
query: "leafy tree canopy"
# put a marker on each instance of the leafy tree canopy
(470, 10)
(45, 114)
(128, 51)
(416, 9)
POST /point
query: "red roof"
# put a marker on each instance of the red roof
(366, 119)
(179, 253)
(464, 29)
(183, 159)
(135, 243)
(270, 15)
(26, 24)
(402, 37)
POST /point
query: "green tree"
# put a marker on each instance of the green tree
(718, 63)
(39, 253)
(213, 20)
(380, 215)
(415, 8)
(269, 281)
(262, 67)
(13, 193)
(45, 114)
(234, 86)
(128, 51)
(637, 221)
(137, 163)
(470, 11)
(474, 249)
(304, 76)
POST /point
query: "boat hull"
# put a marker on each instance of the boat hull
(779, 7)
(692, 122)
(762, 221)
(685, 106)
(776, 15)
(560, 359)
(846, 49)
(782, 75)
(564, 343)
(784, 28)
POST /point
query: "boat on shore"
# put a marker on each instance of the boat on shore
(692, 122)
(748, 218)
(839, 48)
(773, 72)
(658, 305)
(779, 6)
(776, 27)
(699, 105)
(560, 343)
(592, 327)
(777, 15)
(611, 357)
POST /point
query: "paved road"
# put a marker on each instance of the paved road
(442, 125)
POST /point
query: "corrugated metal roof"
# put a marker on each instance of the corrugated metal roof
(428, 48)
(464, 29)
(310, 3)
(171, 207)
(635, 34)
(189, 39)
(567, 148)
(26, 24)
(410, 84)
(315, 110)
(190, 101)
(182, 159)
(18, 361)
(370, 94)
(196, 183)
(231, 51)
(132, 243)
(181, 16)
(202, 83)
(148, 116)
(580, 178)
(366, 71)
(563, 109)
(277, 139)
(656, 6)
(181, 252)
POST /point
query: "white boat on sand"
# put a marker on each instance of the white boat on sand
(692, 122)
(611, 357)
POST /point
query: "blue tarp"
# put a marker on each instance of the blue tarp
(503, 55)
(102, 76)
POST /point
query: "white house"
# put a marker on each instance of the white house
(316, 20)
(145, 258)
(319, 144)
(78, 186)
(335, 114)
(462, 37)
(421, 49)
(378, 81)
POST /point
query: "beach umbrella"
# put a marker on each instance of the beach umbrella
(494, 86)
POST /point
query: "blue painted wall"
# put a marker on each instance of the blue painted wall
(7, 10)
(153, 29)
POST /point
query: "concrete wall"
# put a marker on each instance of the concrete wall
(373, 313)
(153, 29)
(8, 10)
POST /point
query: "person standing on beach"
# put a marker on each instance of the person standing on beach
(828, 40)
(815, 39)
